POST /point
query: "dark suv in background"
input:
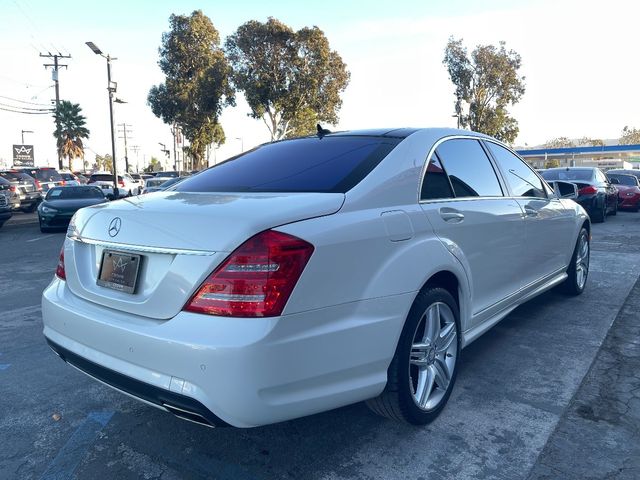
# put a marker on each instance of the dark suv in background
(45, 177)
(595, 193)
(5, 201)
(25, 188)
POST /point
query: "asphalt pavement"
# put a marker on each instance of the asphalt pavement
(550, 392)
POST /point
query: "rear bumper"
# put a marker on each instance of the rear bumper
(245, 372)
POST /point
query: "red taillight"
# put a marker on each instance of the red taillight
(12, 188)
(256, 280)
(60, 273)
(63, 183)
(38, 186)
(588, 190)
(121, 183)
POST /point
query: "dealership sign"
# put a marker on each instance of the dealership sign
(23, 155)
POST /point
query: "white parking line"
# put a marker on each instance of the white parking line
(39, 238)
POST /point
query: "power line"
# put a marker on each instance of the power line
(26, 113)
(18, 107)
(24, 101)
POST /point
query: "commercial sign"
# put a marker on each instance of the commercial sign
(23, 156)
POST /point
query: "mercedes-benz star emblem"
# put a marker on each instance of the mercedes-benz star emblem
(114, 227)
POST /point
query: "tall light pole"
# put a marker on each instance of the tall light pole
(111, 88)
(23, 132)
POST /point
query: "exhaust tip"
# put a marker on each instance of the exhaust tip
(188, 415)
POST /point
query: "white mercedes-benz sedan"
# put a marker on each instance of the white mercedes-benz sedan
(312, 273)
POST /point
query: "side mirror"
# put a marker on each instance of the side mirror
(565, 189)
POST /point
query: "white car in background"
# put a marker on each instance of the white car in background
(104, 180)
(312, 273)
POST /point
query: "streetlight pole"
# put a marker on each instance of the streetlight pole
(23, 132)
(111, 88)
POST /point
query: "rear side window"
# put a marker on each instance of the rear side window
(469, 169)
(328, 164)
(521, 179)
(48, 175)
(436, 183)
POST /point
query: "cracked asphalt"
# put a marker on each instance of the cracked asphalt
(552, 392)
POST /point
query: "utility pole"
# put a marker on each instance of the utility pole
(124, 131)
(136, 149)
(54, 73)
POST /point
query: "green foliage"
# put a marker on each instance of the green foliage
(559, 142)
(291, 80)
(590, 142)
(630, 136)
(154, 166)
(486, 82)
(555, 163)
(196, 87)
(70, 130)
(104, 163)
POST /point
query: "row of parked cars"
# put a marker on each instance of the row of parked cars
(28, 189)
(600, 193)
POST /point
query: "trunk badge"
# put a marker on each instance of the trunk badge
(114, 226)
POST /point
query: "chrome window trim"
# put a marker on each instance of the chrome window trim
(139, 248)
(433, 148)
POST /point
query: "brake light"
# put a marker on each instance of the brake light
(63, 183)
(38, 186)
(121, 183)
(256, 280)
(60, 273)
(12, 188)
(588, 190)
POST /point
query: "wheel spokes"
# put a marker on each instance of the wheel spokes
(446, 338)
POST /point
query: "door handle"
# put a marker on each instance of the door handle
(451, 215)
(530, 212)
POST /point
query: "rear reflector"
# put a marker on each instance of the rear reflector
(60, 273)
(256, 280)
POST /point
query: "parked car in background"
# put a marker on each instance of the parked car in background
(138, 182)
(25, 189)
(82, 177)
(161, 183)
(5, 201)
(45, 177)
(628, 190)
(625, 171)
(171, 174)
(70, 179)
(104, 180)
(61, 203)
(312, 273)
(595, 193)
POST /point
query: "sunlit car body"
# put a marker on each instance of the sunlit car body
(312, 273)
(628, 187)
(24, 189)
(61, 203)
(595, 193)
(5, 201)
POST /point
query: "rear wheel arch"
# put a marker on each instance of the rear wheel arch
(447, 280)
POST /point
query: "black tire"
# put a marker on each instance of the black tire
(615, 209)
(397, 399)
(30, 209)
(574, 285)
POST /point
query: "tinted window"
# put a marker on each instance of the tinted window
(328, 164)
(47, 175)
(436, 184)
(521, 179)
(469, 169)
(74, 192)
(624, 179)
(584, 174)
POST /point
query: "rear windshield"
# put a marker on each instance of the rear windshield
(74, 192)
(635, 173)
(16, 176)
(574, 174)
(328, 164)
(67, 176)
(102, 177)
(624, 179)
(46, 175)
(155, 182)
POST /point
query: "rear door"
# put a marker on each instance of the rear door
(464, 201)
(549, 225)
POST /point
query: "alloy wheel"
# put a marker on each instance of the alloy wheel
(582, 261)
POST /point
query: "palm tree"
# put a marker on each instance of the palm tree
(70, 130)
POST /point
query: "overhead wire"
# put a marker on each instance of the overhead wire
(24, 101)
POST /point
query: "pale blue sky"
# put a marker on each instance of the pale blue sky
(575, 57)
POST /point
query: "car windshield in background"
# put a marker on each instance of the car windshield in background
(60, 193)
(67, 176)
(625, 179)
(15, 176)
(569, 175)
(313, 164)
(47, 175)
(173, 181)
(155, 182)
(102, 177)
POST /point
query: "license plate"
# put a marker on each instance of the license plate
(119, 271)
(106, 187)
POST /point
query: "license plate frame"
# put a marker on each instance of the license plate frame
(119, 271)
